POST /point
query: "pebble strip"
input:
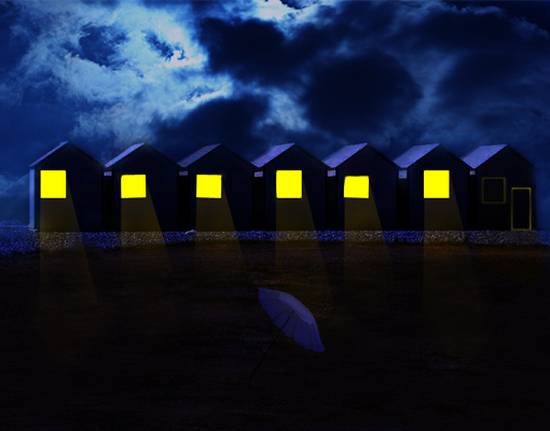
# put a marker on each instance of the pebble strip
(23, 240)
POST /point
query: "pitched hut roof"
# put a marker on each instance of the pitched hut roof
(271, 154)
(413, 154)
(62, 145)
(197, 155)
(481, 154)
(123, 155)
(340, 156)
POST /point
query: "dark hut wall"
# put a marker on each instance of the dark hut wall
(234, 210)
(379, 210)
(81, 210)
(517, 172)
(169, 206)
(307, 213)
(160, 209)
(437, 214)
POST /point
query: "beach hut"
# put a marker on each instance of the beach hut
(289, 189)
(65, 191)
(361, 189)
(217, 189)
(141, 190)
(433, 189)
(502, 186)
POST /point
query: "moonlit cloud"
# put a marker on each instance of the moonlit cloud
(154, 68)
(145, 83)
(272, 9)
(285, 111)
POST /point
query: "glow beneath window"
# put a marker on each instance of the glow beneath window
(356, 187)
(133, 186)
(53, 184)
(437, 185)
(288, 184)
(209, 186)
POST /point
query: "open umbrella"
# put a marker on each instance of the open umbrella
(293, 318)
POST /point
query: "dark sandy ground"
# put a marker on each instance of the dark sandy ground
(417, 338)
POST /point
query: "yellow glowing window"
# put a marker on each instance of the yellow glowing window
(133, 186)
(53, 184)
(209, 186)
(356, 187)
(437, 185)
(288, 184)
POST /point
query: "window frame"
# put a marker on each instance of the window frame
(504, 191)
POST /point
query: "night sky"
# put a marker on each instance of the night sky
(107, 74)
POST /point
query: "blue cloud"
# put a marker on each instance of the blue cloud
(164, 49)
(100, 44)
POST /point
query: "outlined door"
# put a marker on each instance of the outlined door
(521, 211)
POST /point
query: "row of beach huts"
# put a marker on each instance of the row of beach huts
(286, 188)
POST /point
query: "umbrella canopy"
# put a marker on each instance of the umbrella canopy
(292, 317)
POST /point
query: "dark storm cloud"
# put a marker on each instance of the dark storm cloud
(535, 12)
(298, 4)
(456, 30)
(261, 51)
(355, 23)
(478, 77)
(356, 95)
(348, 96)
(228, 121)
(100, 45)
(497, 74)
(249, 49)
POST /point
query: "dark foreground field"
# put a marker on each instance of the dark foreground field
(417, 338)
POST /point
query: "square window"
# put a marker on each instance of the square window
(209, 186)
(356, 187)
(493, 190)
(53, 184)
(133, 186)
(288, 184)
(437, 184)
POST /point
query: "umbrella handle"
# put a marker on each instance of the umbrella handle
(265, 352)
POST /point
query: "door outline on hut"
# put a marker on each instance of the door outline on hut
(513, 192)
